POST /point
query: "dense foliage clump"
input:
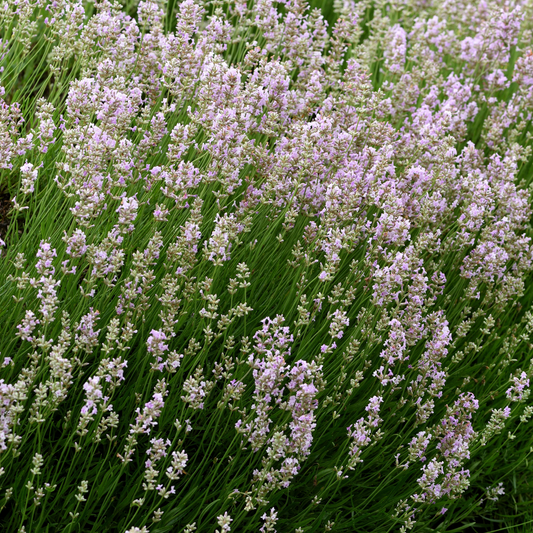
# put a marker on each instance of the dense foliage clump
(268, 265)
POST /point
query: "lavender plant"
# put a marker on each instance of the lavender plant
(268, 265)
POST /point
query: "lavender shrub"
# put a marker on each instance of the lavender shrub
(268, 267)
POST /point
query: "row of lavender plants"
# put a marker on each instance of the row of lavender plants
(268, 265)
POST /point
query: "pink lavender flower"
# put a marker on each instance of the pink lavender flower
(94, 394)
(45, 254)
(127, 213)
(518, 391)
(29, 176)
(86, 337)
(224, 522)
(396, 49)
(7, 399)
(29, 323)
(76, 244)
(155, 342)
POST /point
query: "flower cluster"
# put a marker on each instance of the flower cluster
(305, 232)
